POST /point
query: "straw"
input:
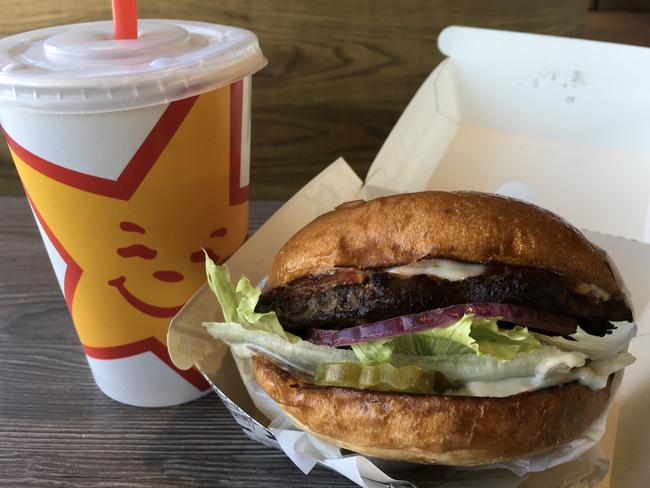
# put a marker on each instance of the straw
(125, 19)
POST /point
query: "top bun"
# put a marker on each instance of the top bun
(465, 226)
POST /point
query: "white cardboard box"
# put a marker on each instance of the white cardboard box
(563, 123)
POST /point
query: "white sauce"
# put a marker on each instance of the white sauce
(593, 376)
(442, 268)
(512, 386)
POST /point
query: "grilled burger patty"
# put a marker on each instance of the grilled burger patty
(356, 297)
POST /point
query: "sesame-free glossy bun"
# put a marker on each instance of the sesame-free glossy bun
(434, 429)
(464, 226)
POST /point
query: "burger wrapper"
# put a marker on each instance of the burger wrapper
(497, 115)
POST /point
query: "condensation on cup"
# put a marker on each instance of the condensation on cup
(134, 156)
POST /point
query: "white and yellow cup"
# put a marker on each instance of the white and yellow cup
(134, 155)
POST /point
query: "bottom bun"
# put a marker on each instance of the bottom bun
(434, 429)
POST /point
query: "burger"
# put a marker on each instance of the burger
(458, 328)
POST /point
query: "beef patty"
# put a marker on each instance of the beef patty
(369, 296)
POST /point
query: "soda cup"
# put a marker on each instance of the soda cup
(134, 156)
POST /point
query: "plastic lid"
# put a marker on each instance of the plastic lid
(81, 68)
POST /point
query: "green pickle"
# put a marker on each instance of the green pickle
(382, 377)
(338, 374)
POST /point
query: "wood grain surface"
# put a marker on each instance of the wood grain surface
(58, 430)
(340, 72)
(629, 27)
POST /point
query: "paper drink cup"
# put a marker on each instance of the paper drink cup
(134, 156)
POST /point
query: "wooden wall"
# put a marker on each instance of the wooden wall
(340, 71)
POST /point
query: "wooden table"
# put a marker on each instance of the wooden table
(58, 429)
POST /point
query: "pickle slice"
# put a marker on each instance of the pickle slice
(338, 374)
(381, 377)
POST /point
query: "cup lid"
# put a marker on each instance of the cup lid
(81, 68)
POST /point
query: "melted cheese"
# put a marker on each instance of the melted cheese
(441, 268)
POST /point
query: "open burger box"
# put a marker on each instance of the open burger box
(562, 123)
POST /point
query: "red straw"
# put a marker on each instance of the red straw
(125, 19)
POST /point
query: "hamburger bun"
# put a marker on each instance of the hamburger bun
(463, 226)
(434, 429)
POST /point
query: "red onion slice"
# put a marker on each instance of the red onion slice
(441, 317)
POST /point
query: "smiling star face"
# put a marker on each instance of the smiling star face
(143, 251)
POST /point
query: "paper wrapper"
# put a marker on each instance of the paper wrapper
(469, 127)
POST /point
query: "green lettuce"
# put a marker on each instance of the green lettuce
(238, 303)
(305, 356)
(503, 344)
(467, 336)
(374, 352)
(595, 347)
(302, 355)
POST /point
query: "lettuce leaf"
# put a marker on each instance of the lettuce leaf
(238, 303)
(374, 352)
(302, 355)
(467, 336)
(305, 356)
(453, 339)
(503, 344)
(593, 346)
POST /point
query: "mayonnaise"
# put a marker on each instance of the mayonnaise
(442, 268)
(594, 376)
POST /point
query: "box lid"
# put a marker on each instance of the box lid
(559, 122)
